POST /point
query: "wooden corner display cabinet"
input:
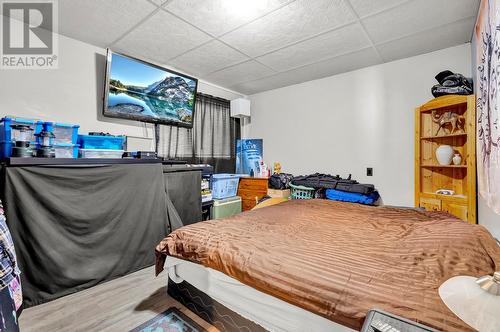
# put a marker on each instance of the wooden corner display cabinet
(447, 120)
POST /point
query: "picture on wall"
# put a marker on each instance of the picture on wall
(249, 156)
(487, 34)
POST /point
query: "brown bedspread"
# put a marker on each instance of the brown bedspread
(339, 259)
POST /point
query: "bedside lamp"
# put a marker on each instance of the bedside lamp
(474, 300)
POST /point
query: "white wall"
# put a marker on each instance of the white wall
(345, 123)
(73, 93)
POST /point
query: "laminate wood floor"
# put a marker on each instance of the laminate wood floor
(117, 305)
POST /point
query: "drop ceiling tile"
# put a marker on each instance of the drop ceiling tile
(344, 40)
(246, 71)
(368, 7)
(341, 64)
(432, 40)
(162, 37)
(100, 22)
(159, 2)
(296, 21)
(208, 58)
(220, 16)
(416, 16)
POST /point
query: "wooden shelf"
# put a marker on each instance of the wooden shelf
(444, 102)
(444, 166)
(429, 175)
(451, 198)
(444, 136)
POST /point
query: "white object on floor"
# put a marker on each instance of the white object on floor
(475, 306)
(269, 312)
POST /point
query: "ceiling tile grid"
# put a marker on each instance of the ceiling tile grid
(100, 22)
(341, 64)
(337, 42)
(427, 41)
(247, 71)
(298, 20)
(208, 58)
(253, 46)
(416, 16)
(162, 37)
(218, 17)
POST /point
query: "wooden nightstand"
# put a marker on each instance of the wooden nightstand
(251, 190)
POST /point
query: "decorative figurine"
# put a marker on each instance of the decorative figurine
(456, 121)
(457, 159)
(277, 168)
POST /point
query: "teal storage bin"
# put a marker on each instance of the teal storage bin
(101, 142)
(224, 185)
(302, 192)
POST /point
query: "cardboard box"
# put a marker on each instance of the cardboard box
(276, 193)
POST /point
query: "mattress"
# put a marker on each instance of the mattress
(269, 312)
(339, 260)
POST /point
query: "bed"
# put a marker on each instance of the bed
(325, 264)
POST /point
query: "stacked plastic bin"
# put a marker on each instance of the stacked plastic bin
(65, 141)
(224, 190)
(8, 136)
(101, 146)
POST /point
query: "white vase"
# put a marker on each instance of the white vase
(444, 154)
(457, 159)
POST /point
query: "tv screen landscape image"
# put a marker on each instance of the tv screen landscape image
(141, 91)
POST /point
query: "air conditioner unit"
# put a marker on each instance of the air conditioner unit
(240, 108)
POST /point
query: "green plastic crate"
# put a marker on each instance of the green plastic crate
(302, 192)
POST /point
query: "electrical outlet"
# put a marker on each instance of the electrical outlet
(369, 171)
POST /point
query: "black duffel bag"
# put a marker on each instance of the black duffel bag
(327, 181)
(280, 181)
(452, 84)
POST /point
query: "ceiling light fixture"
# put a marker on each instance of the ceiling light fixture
(245, 8)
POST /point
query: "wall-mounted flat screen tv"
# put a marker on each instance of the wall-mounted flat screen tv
(137, 90)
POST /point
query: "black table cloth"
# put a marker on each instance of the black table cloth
(76, 226)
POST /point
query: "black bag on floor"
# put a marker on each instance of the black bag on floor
(280, 181)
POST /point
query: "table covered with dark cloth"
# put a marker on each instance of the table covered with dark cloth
(76, 226)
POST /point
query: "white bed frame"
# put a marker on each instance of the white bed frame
(267, 311)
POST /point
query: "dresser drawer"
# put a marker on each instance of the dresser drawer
(248, 205)
(248, 194)
(430, 204)
(458, 210)
(250, 190)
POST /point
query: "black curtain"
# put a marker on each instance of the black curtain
(212, 139)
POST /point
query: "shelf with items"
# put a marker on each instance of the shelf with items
(444, 129)
(444, 136)
(442, 166)
(444, 102)
(451, 198)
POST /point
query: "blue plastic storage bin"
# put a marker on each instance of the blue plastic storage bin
(5, 150)
(6, 133)
(64, 133)
(101, 142)
(224, 185)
